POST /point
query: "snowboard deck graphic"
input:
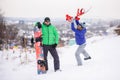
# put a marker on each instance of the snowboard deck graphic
(39, 53)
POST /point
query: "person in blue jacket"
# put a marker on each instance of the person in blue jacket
(80, 41)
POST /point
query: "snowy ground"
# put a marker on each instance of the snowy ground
(104, 65)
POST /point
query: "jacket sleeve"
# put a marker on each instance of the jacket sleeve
(56, 36)
(78, 23)
(73, 27)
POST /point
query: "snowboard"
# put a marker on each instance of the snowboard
(39, 53)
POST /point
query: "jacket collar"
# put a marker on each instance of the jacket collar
(47, 25)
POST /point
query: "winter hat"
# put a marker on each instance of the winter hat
(82, 24)
(47, 19)
(38, 24)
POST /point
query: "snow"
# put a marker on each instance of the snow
(104, 64)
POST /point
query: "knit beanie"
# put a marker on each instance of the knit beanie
(47, 19)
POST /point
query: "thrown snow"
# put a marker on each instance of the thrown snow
(104, 65)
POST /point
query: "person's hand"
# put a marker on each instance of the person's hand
(71, 20)
(77, 18)
(54, 45)
(41, 44)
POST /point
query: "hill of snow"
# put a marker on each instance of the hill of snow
(104, 64)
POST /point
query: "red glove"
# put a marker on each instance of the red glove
(68, 18)
(77, 18)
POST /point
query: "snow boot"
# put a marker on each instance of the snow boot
(87, 58)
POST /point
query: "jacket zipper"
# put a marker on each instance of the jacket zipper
(48, 35)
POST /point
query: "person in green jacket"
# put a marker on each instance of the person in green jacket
(50, 39)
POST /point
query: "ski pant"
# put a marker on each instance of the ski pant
(81, 50)
(54, 54)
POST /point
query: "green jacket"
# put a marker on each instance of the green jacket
(49, 35)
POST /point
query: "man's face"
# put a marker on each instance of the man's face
(47, 22)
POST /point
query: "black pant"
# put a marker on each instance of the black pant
(54, 54)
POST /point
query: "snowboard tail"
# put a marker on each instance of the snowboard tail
(41, 66)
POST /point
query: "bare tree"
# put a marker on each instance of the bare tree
(7, 32)
(2, 29)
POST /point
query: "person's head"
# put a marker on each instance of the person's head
(38, 24)
(47, 20)
(79, 27)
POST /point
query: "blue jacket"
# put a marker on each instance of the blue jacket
(79, 34)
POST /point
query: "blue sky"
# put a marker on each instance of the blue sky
(59, 8)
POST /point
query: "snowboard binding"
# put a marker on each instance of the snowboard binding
(41, 63)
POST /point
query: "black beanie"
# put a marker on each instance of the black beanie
(47, 19)
(39, 25)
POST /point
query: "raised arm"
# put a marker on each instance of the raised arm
(73, 26)
(78, 23)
